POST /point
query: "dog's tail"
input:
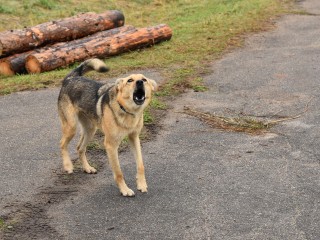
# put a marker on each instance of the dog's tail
(87, 66)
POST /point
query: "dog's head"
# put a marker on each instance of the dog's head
(135, 91)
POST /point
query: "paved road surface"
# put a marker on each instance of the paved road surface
(203, 183)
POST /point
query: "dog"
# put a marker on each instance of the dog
(117, 110)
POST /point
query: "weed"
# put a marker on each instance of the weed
(5, 9)
(6, 225)
(2, 223)
(156, 103)
(95, 145)
(199, 88)
(198, 85)
(147, 116)
(47, 4)
(233, 124)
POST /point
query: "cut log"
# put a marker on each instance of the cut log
(62, 30)
(70, 52)
(74, 51)
(139, 38)
(15, 64)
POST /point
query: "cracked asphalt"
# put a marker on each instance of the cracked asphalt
(204, 183)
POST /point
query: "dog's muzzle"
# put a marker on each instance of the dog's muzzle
(139, 93)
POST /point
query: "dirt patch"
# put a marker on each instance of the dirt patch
(29, 220)
(232, 124)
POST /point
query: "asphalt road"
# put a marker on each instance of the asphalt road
(203, 183)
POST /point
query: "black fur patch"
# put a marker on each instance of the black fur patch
(105, 99)
(83, 93)
(103, 69)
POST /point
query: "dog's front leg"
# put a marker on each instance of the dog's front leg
(112, 151)
(136, 149)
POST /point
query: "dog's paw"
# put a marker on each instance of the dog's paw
(127, 192)
(68, 168)
(90, 169)
(142, 185)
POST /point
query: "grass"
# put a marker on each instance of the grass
(202, 31)
(2, 223)
(95, 145)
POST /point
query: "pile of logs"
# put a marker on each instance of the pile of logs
(59, 43)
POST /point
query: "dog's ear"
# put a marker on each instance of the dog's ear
(119, 83)
(154, 85)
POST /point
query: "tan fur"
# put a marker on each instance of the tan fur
(115, 124)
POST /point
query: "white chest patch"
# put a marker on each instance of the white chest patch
(98, 106)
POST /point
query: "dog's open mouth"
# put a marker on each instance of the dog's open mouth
(139, 96)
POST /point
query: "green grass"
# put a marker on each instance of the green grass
(2, 223)
(95, 145)
(156, 103)
(6, 10)
(147, 116)
(202, 31)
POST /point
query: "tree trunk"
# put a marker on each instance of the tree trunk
(15, 41)
(74, 51)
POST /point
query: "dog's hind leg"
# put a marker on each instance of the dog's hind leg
(136, 149)
(80, 140)
(69, 126)
(88, 131)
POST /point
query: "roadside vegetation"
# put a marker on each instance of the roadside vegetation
(202, 31)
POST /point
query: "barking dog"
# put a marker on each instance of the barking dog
(117, 110)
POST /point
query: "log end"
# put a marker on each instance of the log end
(5, 69)
(33, 65)
(119, 19)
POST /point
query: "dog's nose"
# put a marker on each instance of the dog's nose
(139, 83)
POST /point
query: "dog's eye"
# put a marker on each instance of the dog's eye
(143, 79)
(130, 80)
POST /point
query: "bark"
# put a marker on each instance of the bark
(15, 41)
(15, 64)
(139, 38)
(102, 47)
(70, 52)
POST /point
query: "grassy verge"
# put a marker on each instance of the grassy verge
(202, 31)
